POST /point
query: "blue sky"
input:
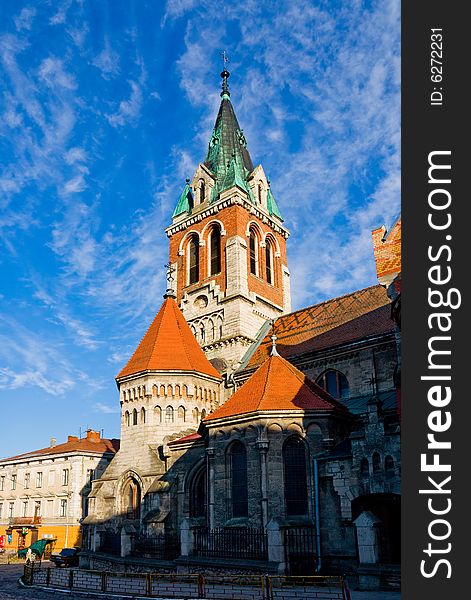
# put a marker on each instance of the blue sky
(107, 106)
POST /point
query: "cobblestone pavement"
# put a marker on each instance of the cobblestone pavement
(11, 590)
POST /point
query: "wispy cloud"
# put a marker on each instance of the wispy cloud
(128, 110)
(106, 409)
(25, 19)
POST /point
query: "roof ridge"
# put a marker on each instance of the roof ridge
(369, 287)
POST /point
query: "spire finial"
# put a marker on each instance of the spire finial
(274, 351)
(225, 74)
(170, 293)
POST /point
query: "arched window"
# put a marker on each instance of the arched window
(143, 415)
(389, 464)
(203, 414)
(126, 418)
(181, 413)
(132, 499)
(212, 330)
(134, 417)
(202, 191)
(157, 414)
(335, 383)
(169, 414)
(239, 492)
(364, 467)
(198, 494)
(376, 463)
(202, 334)
(269, 263)
(196, 414)
(295, 475)
(253, 251)
(193, 260)
(215, 251)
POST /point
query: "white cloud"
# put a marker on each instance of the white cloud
(25, 19)
(129, 110)
(106, 409)
(107, 61)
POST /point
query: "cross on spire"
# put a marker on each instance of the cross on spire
(170, 293)
(274, 351)
(225, 74)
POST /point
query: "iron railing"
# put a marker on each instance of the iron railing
(231, 542)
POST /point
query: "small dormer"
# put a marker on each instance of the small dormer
(202, 186)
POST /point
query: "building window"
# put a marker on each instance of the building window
(169, 416)
(295, 476)
(63, 508)
(39, 479)
(181, 413)
(65, 476)
(126, 418)
(132, 499)
(239, 491)
(2, 483)
(143, 415)
(1, 509)
(157, 414)
(90, 473)
(253, 253)
(37, 508)
(215, 251)
(198, 494)
(269, 263)
(202, 191)
(27, 480)
(376, 463)
(193, 260)
(24, 509)
(11, 508)
(335, 383)
(13, 482)
(134, 417)
(389, 464)
(364, 467)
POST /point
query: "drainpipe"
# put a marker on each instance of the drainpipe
(316, 514)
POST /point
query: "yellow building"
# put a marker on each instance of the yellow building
(43, 493)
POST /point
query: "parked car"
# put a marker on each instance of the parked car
(67, 557)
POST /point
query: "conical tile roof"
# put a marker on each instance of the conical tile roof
(169, 345)
(277, 385)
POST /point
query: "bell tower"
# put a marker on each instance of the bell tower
(228, 246)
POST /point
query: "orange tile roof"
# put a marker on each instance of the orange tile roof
(338, 321)
(276, 385)
(169, 345)
(100, 445)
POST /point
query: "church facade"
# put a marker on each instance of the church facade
(252, 437)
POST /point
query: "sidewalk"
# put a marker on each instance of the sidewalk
(375, 595)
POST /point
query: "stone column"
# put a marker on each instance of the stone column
(276, 551)
(125, 543)
(210, 453)
(186, 538)
(263, 449)
(367, 536)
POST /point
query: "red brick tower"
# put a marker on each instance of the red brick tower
(228, 246)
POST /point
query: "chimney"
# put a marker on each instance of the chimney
(72, 438)
(53, 442)
(93, 436)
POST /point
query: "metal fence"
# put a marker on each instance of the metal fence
(192, 586)
(163, 546)
(233, 542)
(300, 550)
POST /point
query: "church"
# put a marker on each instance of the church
(254, 438)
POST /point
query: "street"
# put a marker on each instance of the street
(10, 589)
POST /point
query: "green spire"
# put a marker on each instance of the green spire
(227, 141)
(185, 203)
(272, 205)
